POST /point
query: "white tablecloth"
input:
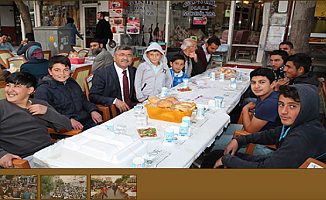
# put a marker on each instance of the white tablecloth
(74, 66)
(181, 154)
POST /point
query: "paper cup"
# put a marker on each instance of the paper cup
(138, 162)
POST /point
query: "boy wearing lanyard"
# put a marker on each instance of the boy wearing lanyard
(301, 135)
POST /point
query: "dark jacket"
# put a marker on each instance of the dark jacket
(307, 78)
(37, 67)
(197, 67)
(202, 57)
(22, 48)
(106, 87)
(68, 99)
(279, 73)
(305, 138)
(103, 30)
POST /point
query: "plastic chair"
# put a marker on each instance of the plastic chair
(83, 52)
(4, 54)
(63, 53)
(17, 61)
(311, 160)
(104, 109)
(80, 73)
(136, 61)
(2, 89)
(47, 54)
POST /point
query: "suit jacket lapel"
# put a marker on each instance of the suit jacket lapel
(115, 78)
(131, 78)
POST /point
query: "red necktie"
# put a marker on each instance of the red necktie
(126, 89)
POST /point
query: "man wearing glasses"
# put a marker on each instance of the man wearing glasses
(193, 65)
(114, 84)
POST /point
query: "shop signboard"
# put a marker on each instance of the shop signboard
(199, 8)
(200, 20)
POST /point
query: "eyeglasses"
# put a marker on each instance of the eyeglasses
(123, 55)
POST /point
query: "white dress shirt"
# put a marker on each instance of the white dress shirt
(120, 76)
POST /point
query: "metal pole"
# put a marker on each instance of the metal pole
(167, 24)
(231, 28)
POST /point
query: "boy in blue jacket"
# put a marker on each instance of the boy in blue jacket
(65, 95)
(177, 63)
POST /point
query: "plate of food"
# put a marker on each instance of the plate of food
(147, 132)
(187, 89)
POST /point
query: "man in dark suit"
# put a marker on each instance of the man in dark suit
(193, 65)
(114, 84)
(16, 193)
(205, 51)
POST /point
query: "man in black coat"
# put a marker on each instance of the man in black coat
(108, 84)
(103, 30)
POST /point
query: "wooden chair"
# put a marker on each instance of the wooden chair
(80, 73)
(4, 54)
(47, 54)
(20, 163)
(311, 160)
(83, 52)
(2, 89)
(251, 147)
(17, 61)
(104, 109)
(135, 62)
(63, 53)
(323, 93)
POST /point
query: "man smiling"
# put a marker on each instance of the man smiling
(301, 136)
(265, 110)
(114, 84)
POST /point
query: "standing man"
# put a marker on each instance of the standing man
(205, 51)
(5, 45)
(114, 84)
(278, 59)
(114, 188)
(193, 65)
(103, 30)
(102, 57)
(287, 46)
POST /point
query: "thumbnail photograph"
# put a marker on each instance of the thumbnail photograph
(63, 187)
(18, 187)
(113, 187)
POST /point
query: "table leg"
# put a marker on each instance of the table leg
(236, 54)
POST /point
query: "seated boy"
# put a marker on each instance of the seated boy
(300, 137)
(65, 95)
(24, 121)
(177, 63)
(153, 74)
(265, 110)
(297, 71)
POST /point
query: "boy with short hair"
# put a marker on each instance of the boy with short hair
(177, 63)
(265, 110)
(300, 137)
(152, 75)
(24, 121)
(65, 95)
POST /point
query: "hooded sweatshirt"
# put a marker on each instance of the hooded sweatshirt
(305, 138)
(149, 82)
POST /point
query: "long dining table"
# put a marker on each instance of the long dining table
(182, 153)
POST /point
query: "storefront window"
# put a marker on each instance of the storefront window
(54, 13)
(151, 15)
(198, 19)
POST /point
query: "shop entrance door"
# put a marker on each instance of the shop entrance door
(89, 23)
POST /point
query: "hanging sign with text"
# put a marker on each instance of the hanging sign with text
(199, 8)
